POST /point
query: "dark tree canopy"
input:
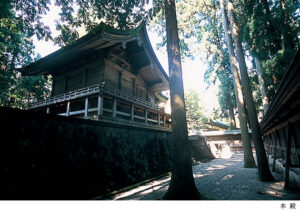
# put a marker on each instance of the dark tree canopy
(16, 50)
(269, 31)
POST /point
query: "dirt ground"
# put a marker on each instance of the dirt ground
(219, 179)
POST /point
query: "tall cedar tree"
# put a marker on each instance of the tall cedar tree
(182, 185)
(264, 173)
(261, 82)
(270, 31)
(248, 156)
(129, 14)
(17, 50)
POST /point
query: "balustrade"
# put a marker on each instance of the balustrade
(101, 91)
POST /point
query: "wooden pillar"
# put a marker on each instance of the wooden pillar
(146, 115)
(280, 141)
(48, 110)
(265, 142)
(124, 45)
(114, 108)
(288, 156)
(274, 152)
(68, 109)
(158, 118)
(86, 107)
(269, 141)
(132, 113)
(100, 105)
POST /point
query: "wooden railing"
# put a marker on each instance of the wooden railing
(91, 90)
(130, 98)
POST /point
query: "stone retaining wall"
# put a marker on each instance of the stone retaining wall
(51, 157)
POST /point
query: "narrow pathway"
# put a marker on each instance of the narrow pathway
(219, 179)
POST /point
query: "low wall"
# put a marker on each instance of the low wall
(199, 149)
(51, 157)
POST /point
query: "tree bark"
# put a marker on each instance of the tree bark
(182, 185)
(231, 113)
(264, 173)
(248, 155)
(261, 83)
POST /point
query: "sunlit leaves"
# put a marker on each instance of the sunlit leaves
(16, 50)
(195, 113)
(271, 32)
(29, 14)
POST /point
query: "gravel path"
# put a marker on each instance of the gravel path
(219, 179)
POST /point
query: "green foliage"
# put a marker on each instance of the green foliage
(270, 30)
(188, 26)
(120, 14)
(21, 19)
(226, 95)
(29, 14)
(17, 50)
(201, 37)
(5, 8)
(196, 119)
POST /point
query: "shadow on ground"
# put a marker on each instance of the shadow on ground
(219, 179)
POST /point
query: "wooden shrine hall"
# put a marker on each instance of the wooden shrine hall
(281, 123)
(110, 75)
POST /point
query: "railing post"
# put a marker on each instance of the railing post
(91, 90)
(146, 115)
(164, 120)
(274, 152)
(68, 108)
(158, 119)
(288, 156)
(268, 141)
(132, 113)
(86, 107)
(114, 108)
(100, 105)
(48, 110)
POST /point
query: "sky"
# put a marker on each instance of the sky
(192, 70)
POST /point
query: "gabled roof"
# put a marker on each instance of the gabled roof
(218, 124)
(135, 42)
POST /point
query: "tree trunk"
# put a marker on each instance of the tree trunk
(264, 173)
(248, 155)
(231, 113)
(182, 185)
(262, 87)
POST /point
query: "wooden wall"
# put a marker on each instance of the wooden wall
(102, 68)
(77, 77)
(111, 76)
